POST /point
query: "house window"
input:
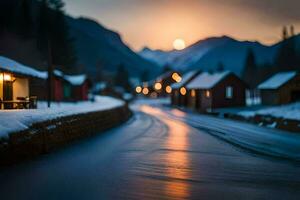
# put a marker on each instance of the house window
(229, 92)
(207, 94)
(193, 93)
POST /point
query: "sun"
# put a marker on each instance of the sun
(179, 44)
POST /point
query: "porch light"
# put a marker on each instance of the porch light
(168, 89)
(138, 89)
(183, 91)
(176, 77)
(158, 86)
(145, 91)
(7, 77)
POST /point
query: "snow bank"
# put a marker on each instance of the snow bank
(18, 120)
(291, 111)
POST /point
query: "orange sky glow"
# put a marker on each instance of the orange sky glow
(157, 23)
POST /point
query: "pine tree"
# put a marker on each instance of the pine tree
(167, 68)
(24, 20)
(220, 67)
(53, 30)
(145, 76)
(250, 69)
(122, 78)
(286, 58)
(63, 50)
(284, 33)
(292, 30)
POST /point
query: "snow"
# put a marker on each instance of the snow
(185, 79)
(18, 120)
(277, 80)
(58, 73)
(13, 66)
(290, 111)
(76, 79)
(207, 80)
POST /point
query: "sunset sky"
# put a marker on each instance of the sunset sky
(157, 23)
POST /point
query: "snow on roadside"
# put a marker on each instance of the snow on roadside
(18, 120)
(291, 111)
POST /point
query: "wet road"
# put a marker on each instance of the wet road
(152, 156)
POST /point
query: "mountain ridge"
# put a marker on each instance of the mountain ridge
(206, 54)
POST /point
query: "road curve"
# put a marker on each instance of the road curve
(153, 156)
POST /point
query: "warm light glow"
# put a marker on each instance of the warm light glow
(7, 77)
(207, 93)
(176, 77)
(168, 89)
(183, 91)
(193, 93)
(179, 44)
(138, 89)
(157, 86)
(145, 91)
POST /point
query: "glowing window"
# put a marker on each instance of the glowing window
(138, 89)
(183, 91)
(168, 89)
(207, 93)
(193, 93)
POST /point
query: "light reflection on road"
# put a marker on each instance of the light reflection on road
(176, 158)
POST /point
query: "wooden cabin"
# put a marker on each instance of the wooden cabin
(76, 87)
(15, 82)
(282, 88)
(209, 91)
(179, 96)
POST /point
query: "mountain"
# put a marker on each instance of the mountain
(184, 58)
(99, 49)
(207, 54)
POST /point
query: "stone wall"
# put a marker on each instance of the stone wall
(47, 136)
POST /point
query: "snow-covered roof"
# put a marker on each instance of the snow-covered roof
(185, 79)
(207, 80)
(76, 79)
(277, 80)
(58, 73)
(15, 67)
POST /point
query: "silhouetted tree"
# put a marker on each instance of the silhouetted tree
(285, 33)
(53, 30)
(122, 78)
(287, 58)
(144, 76)
(250, 69)
(292, 30)
(24, 19)
(166, 68)
(220, 67)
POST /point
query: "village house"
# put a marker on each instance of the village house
(209, 91)
(21, 86)
(76, 87)
(282, 88)
(15, 78)
(179, 96)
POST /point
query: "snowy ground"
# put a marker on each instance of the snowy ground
(18, 120)
(291, 111)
